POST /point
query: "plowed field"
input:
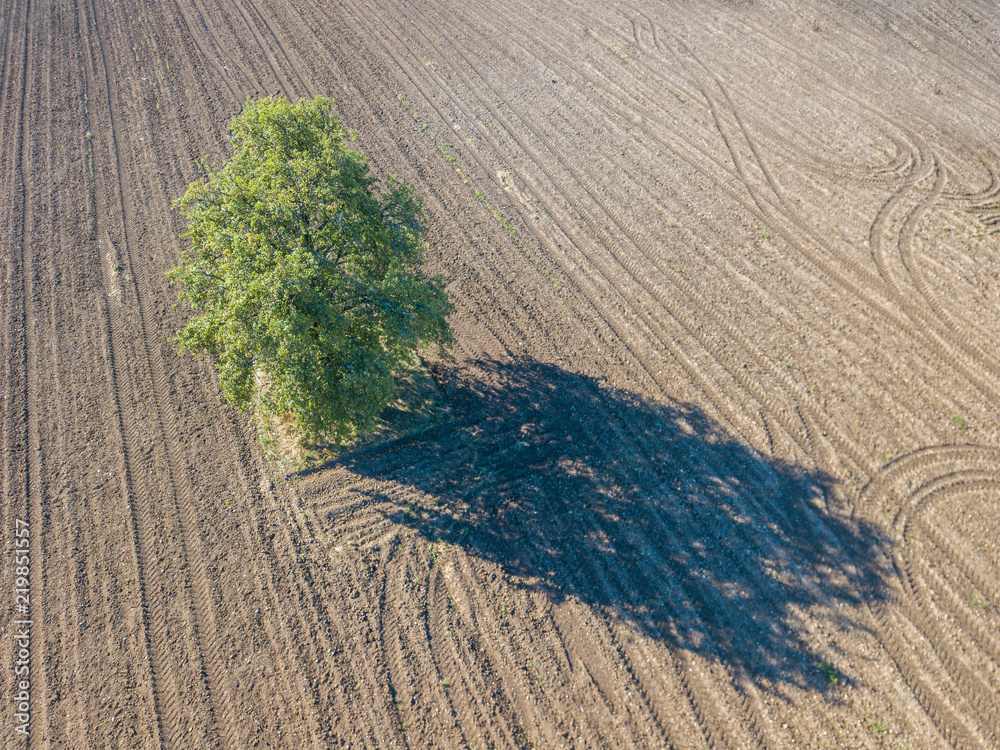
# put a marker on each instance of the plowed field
(722, 466)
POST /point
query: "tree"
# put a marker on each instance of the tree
(308, 275)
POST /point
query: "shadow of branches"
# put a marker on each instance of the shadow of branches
(649, 512)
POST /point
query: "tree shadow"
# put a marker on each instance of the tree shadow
(649, 512)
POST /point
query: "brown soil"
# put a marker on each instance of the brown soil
(723, 462)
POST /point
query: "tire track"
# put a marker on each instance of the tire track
(71, 270)
(163, 689)
(178, 488)
(294, 67)
(975, 362)
(404, 46)
(433, 641)
(326, 614)
(168, 704)
(912, 481)
(973, 376)
(743, 695)
(11, 12)
(413, 627)
(665, 340)
(890, 173)
(266, 52)
(280, 638)
(635, 317)
(212, 59)
(46, 429)
(968, 690)
(13, 500)
(432, 187)
(31, 471)
(674, 309)
(982, 649)
(937, 342)
(493, 718)
(697, 303)
(399, 46)
(928, 585)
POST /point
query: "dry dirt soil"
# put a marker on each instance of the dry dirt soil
(723, 462)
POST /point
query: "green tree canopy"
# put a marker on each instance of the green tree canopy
(307, 273)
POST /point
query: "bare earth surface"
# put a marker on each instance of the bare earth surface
(724, 399)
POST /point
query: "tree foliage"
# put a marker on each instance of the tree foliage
(307, 272)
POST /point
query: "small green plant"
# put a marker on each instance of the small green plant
(503, 222)
(480, 194)
(829, 672)
(958, 420)
(979, 602)
(879, 726)
(443, 148)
